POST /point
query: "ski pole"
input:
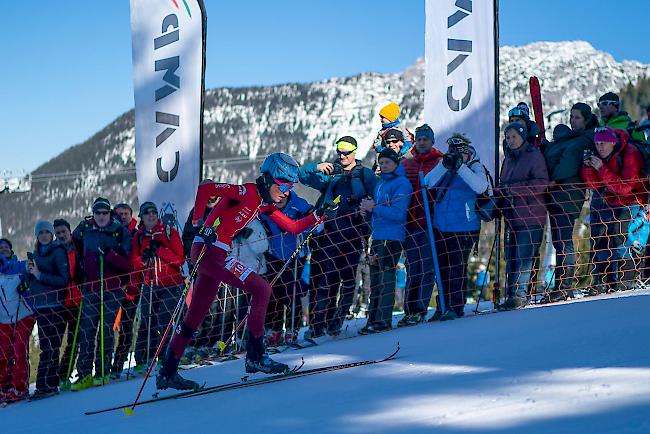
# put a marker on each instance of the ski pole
(432, 241)
(293, 297)
(177, 310)
(487, 272)
(74, 345)
(223, 312)
(302, 244)
(101, 308)
(137, 318)
(150, 306)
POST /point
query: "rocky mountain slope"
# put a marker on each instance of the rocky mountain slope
(242, 125)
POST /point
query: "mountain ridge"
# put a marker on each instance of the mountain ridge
(243, 124)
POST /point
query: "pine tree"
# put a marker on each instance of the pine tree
(635, 98)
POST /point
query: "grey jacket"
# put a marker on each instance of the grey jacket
(48, 291)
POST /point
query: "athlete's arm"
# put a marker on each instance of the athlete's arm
(287, 224)
(220, 191)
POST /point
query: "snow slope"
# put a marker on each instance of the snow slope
(579, 367)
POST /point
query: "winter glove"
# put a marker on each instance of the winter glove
(148, 254)
(154, 245)
(23, 287)
(103, 249)
(329, 210)
(452, 161)
(208, 234)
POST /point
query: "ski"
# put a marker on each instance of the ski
(157, 398)
(295, 374)
(147, 401)
(245, 382)
(536, 98)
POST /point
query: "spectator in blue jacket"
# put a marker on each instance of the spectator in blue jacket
(48, 277)
(281, 246)
(392, 198)
(456, 182)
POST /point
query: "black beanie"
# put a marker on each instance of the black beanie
(389, 153)
(610, 96)
(393, 134)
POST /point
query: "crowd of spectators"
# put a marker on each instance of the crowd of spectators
(101, 294)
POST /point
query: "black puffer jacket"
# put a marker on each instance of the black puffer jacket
(564, 159)
(49, 289)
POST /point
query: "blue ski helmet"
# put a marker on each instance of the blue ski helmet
(280, 166)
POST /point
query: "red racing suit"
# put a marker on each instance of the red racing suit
(237, 206)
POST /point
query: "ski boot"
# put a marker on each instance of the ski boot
(82, 383)
(449, 315)
(168, 376)
(258, 361)
(370, 329)
(42, 394)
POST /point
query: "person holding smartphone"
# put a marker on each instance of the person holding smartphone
(48, 275)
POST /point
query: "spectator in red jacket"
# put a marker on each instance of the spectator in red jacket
(615, 174)
(104, 252)
(157, 255)
(417, 247)
(71, 304)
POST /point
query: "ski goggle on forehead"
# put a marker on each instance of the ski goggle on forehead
(456, 141)
(284, 186)
(517, 113)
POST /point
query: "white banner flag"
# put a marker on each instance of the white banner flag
(168, 39)
(459, 91)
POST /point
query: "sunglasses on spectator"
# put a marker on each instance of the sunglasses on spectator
(151, 212)
(392, 141)
(101, 212)
(284, 186)
(607, 102)
(345, 153)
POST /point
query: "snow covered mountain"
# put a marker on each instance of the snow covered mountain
(242, 125)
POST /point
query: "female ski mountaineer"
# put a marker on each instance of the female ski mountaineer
(238, 205)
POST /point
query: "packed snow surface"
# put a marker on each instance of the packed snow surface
(575, 367)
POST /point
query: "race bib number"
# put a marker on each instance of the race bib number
(239, 270)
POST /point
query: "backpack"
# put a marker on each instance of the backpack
(486, 205)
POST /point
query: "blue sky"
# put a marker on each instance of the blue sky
(67, 69)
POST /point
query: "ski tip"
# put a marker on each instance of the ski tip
(128, 411)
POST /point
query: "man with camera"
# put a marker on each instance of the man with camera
(457, 182)
(615, 174)
(340, 244)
